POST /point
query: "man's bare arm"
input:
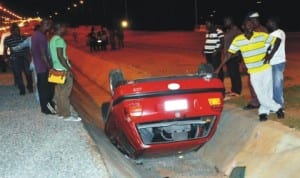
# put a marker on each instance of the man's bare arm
(273, 50)
(62, 59)
(226, 59)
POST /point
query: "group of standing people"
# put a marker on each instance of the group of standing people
(54, 99)
(262, 53)
(98, 41)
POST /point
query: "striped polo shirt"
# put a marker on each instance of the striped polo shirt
(213, 41)
(253, 50)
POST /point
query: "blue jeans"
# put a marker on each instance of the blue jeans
(277, 72)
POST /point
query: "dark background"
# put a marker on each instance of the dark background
(156, 14)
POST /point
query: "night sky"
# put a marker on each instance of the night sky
(156, 14)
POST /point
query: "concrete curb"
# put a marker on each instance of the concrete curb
(266, 149)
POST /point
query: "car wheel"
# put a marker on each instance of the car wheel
(104, 111)
(205, 70)
(116, 78)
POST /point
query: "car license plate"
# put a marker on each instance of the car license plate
(176, 105)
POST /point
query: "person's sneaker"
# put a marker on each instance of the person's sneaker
(280, 113)
(263, 117)
(72, 118)
(51, 109)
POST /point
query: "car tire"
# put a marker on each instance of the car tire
(205, 69)
(104, 111)
(116, 78)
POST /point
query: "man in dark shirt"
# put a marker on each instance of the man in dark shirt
(231, 31)
(20, 59)
(42, 63)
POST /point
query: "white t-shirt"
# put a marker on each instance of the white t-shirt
(279, 56)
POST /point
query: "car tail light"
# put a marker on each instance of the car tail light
(215, 103)
(134, 109)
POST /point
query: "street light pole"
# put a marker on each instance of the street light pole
(126, 10)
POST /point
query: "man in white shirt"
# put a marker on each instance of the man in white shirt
(278, 61)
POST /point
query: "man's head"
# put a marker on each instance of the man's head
(210, 24)
(14, 29)
(272, 23)
(46, 25)
(228, 22)
(60, 28)
(254, 17)
(248, 26)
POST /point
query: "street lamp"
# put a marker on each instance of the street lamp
(126, 10)
(124, 23)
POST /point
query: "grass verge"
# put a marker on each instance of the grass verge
(292, 107)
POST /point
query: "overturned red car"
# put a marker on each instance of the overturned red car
(163, 115)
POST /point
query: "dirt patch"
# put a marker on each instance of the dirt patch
(171, 53)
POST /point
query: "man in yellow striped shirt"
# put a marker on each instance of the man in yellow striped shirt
(256, 50)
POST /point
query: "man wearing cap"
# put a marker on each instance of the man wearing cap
(254, 48)
(258, 27)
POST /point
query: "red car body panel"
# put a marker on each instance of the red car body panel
(164, 115)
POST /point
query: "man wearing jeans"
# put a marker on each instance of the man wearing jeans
(278, 61)
(254, 49)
